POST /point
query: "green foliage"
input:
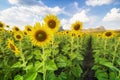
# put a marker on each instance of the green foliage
(60, 60)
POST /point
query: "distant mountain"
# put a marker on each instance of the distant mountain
(98, 29)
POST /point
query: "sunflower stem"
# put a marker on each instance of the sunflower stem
(105, 45)
(21, 54)
(71, 45)
(115, 51)
(44, 69)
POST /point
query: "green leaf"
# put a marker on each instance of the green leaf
(29, 66)
(118, 61)
(109, 65)
(112, 75)
(61, 61)
(38, 65)
(62, 76)
(30, 76)
(95, 67)
(17, 65)
(36, 52)
(50, 75)
(18, 77)
(29, 57)
(76, 71)
(101, 75)
(50, 65)
(39, 77)
(72, 56)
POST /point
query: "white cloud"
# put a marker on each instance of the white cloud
(82, 16)
(22, 15)
(113, 15)
(13, 1)
(98, 2)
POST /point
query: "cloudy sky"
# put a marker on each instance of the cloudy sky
(93, 13)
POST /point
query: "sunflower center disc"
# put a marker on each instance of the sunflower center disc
(77, 27)
(18, 36)
(29, 29)
(1, 25)
(108, 34)
(16, 29)
(41, 35)
(12, 47)
(52, 24)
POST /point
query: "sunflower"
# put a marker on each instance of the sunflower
(108, 34)
(12, 46)
(73, 33)
(28, 28)
(77, 26)
(99, 34)
(15, 29)
(52, 22)
(2, 25)
(25, 32)
(79, 35)
(18, 36)
(40, 36)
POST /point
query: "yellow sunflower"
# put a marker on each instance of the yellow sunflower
(40, 36)
(73, 33)
(2, 25)
(28, 28)
(18, 36)
(99, 34)
(12, 46)
(108, 34)
(77, 26)
(52, 22)
(15, 29)
(79, 35)
(25, 32)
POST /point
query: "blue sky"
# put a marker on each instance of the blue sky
(93, 13)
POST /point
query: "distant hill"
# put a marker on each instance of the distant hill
(98, 29)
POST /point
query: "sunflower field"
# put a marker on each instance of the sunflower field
(42, 52)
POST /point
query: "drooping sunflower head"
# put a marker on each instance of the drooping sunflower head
(52, 22)
(28, 28)
(40, 36)
(18, 36)
(15, 29)
(12, 47)
(108, 34)
(77, 26)
(1, 25)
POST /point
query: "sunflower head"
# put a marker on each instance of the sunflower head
(12, 46)
(52, 22)
(28, 28)
(25, 32)
(79, 35)
(18, 36)
(15, 29)
(2, 25)
(40, 35)
(108, 34)
(99, 34)
(73, 33)
(77, 26)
